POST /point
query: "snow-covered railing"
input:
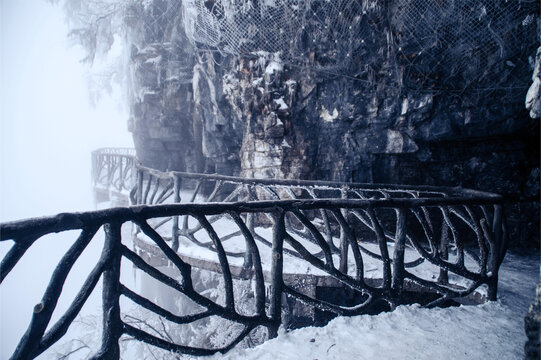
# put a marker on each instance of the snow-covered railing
(433, 231)
(466, 267)
(113, 168)
(381, 245)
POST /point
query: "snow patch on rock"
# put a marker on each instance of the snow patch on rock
(326, 116)
(533, 97)
(281, 104)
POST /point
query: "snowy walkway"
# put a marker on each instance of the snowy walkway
(489, 331)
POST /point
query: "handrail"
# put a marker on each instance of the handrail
(126, 152)
(25, 233)
(446, 244)
(152, 186)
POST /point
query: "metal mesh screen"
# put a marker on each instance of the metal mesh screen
(293, 27)
(441, 44)
(457, 44)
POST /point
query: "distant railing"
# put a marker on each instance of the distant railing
(113, 168)
(376, 241)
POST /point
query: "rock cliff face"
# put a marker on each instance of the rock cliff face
(388, 113)
(533, 97)
(532, 324)
(161, 91)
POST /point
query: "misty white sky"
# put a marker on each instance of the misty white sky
(48, 128)
(47, 132)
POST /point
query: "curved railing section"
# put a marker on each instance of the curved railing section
(380, 243)
(153, 187)
(113, 172)
(473, 268)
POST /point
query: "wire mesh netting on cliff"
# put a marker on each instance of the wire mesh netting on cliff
(438, 44)
(293, 27)
(461, 44)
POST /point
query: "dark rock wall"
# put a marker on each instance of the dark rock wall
(532, 325)
(372, 118)
(161, 92)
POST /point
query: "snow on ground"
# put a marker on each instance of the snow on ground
(493, 330)
(487, 331)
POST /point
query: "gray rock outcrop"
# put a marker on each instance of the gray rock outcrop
(532, 324)
(394, 109)
(533, 97)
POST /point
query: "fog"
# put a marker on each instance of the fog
(48, 126)
(47, 132)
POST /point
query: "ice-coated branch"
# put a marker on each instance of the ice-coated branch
(222, 259)
(44, 310)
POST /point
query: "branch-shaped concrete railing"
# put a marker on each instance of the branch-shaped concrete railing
(113, 169)
(446, 241)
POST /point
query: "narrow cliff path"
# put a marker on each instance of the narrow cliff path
(489, 331)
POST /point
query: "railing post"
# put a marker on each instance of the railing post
(248, 261)
(444, 252)
(112, 324)
(133, 172)
(275, 308)
(343, 267)
(398, 255)
(492, 291)
(382, 242)
(176, 200)
(495, 249)
(139, 195)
